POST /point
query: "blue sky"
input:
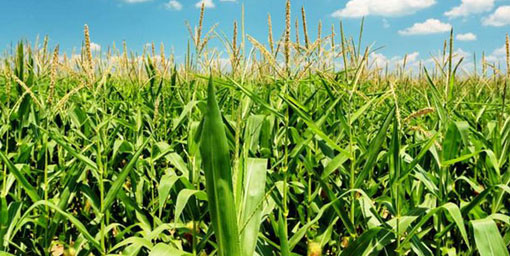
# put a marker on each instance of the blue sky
(417, 27)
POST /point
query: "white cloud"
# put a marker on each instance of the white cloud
(75, 58)
(412, 57)
(207, 3)
(386, 8)
(173, 5)
(380, 60)
(467, 59)
(430, 26)
(468, 7)
(135, 1)
(386, 24)
(415, 61)
(498, 55)
(466, 37)
(493, 59)
(223, 63)
(499, 18)
(95, 47)
(501, 51)
(459, 53)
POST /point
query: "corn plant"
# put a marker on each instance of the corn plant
(281, 152)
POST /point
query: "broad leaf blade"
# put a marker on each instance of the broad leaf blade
(218, 175)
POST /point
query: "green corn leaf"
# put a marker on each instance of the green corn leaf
(375, 145)
(488, 239)
(162, 249)
(251, 204)
(29, 189)
(77, 223)
(183, 198)
(121, 177)
(165, 185)
(217, 168)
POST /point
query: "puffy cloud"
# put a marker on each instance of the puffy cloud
(499, 18)
(437, 58)
(173, 5)
(95, 47)
(498, 55)
(75, 58)
(412, 57)
(223, 63)
(430, 26)
(466, 37)
(380, 60)
(459, 53)
(501, 51)
(386, 8)
(207, 3)
(414, 61)
(386, 24)
(468, 7)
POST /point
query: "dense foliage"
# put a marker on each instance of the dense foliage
(112, 153)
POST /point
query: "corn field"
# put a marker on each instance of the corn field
(285, 147)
